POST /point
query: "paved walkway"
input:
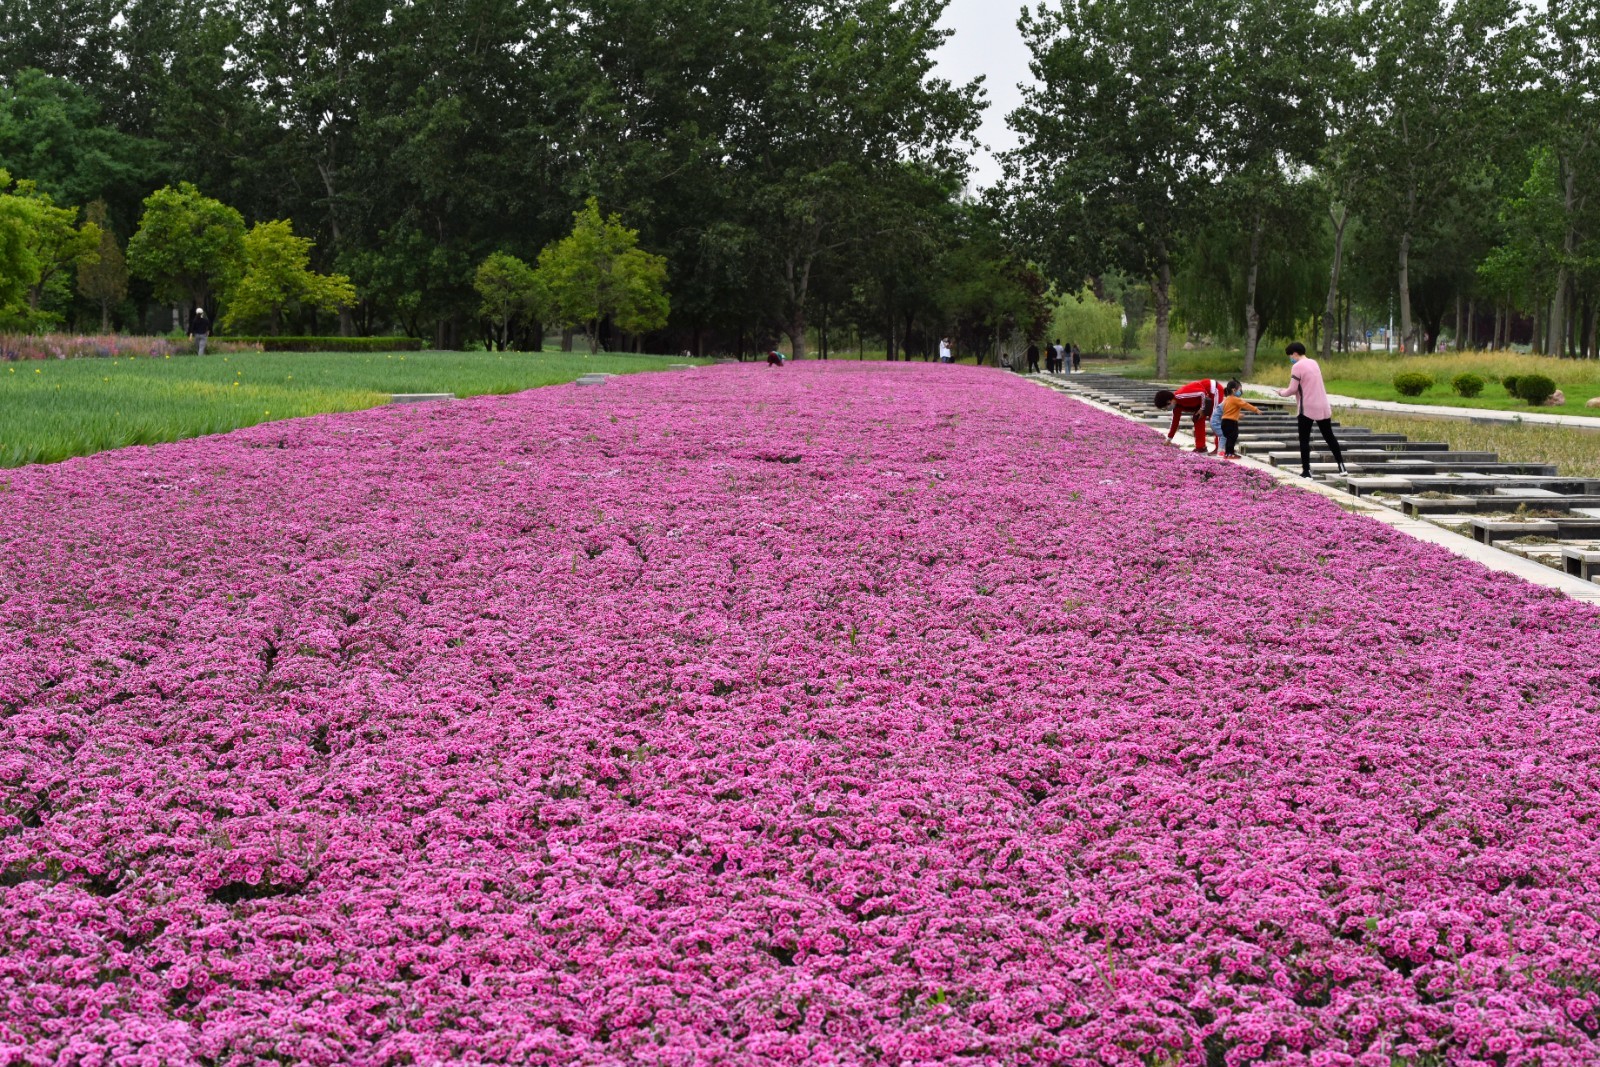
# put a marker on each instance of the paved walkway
(1542, 418)
(1421, 529)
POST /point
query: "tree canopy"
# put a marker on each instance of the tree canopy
(1221, 168)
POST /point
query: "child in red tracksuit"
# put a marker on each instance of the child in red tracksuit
(1198, 399)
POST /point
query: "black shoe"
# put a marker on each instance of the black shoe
(1307, 473)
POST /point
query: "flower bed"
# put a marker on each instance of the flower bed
(894, 714)
(14, 347)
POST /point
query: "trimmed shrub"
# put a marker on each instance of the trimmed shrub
(334, 344)
(1411, 383)
(1535, 388)
(1468, 385)
(1510, 382)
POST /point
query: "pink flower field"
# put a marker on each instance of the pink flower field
(825, 715)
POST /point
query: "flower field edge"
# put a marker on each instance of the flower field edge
(824, 714)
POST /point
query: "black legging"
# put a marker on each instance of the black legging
(1326, 426)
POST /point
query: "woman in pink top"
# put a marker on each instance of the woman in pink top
(1305, 384)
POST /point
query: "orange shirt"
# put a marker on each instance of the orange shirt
(1234, 404)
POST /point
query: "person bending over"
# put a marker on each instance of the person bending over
(1196, 400)
(1305, 384)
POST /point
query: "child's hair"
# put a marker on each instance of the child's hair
(1164, 398)
(1234, 387)
(1295, 349)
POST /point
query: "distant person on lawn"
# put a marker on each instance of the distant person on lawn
(946, 353)
(1077, 359)
(200, 329)
(1234, 405)
(774, 358)
(1197, 399)
(1305, 385)
(1033, 358)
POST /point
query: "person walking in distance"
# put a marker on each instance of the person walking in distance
(1033, 358)
(200, 329)
(946, 351)
(1305, 385)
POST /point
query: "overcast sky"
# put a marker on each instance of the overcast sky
(986, 42)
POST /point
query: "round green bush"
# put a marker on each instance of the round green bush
(1535, 388)
(1510, 382)
(1411, 383)
(1468, 385)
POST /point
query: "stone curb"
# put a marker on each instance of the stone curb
(1420, 529)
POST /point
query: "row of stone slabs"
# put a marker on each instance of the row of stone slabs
(1526, 508)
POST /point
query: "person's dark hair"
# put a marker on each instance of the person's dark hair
(1295, 349)
(1164, 398)
(1233, 384)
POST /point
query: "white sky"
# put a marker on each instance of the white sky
(986, 42)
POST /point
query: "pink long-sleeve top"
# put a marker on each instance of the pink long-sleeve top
(1305, 382)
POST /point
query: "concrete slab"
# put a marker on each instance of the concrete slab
(419, 398)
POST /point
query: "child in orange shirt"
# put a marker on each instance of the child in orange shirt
(1233, 405)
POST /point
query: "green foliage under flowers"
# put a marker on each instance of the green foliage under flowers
(1412, 383)
(1468, 385)
(1535, 388)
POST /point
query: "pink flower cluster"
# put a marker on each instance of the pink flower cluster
(899, 715)
(15, 347)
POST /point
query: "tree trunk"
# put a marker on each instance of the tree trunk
(105, 316)
(1252, 316)
(1341, 217)
(1472, 326)
(1459, 313)
(566, 339)
(1558, 333)
(797, 333)
(1163, 296)
(1407, 345)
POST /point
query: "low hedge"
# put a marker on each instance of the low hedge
(1411, 383)
(333, 344)
(1535, 388)
(1468, 385)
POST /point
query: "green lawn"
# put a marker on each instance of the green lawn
(50, 411)
(1575, 452)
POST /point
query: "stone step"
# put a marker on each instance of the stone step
(1582, 563)
(1469, 484)
(1284, 457)
(419, 398)
(1488, 531)
(1417, 505)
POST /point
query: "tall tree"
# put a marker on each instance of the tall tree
(848, 98)
(1117, 137)
(103, 277)
(189, 245)
(598, 272)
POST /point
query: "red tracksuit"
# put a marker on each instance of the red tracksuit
(1196, 399)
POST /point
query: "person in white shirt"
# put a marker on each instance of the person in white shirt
(946, 354)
